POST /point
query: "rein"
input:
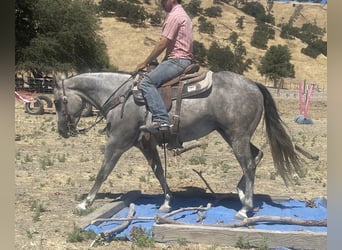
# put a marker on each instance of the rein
(84, 130)
(130, 78)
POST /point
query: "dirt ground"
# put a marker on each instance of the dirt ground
(52, 173)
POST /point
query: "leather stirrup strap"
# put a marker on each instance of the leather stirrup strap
(176, 116)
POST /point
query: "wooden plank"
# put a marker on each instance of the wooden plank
(230, 236)
(194, 192)
(49, 110)
(109, 209)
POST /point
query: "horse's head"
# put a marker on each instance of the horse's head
(69, 106)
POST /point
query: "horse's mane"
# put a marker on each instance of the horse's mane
(103, 72)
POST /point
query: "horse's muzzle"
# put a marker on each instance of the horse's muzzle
(63, 133)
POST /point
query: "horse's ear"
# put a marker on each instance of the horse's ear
(54, 81)
(58, 78)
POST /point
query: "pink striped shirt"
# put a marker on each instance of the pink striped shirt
(177, 27)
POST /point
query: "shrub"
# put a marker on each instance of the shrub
(253, 9)
(205, 26)
(219, 59)
(199, 52)
(239, 22)
(77, 235)
(260, 36)
(269, 18)
(315, 48)
(193, 8)
(214, 11)
(156, 18)
(288, 32)
(141, 238)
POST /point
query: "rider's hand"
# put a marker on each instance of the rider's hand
(140, 66)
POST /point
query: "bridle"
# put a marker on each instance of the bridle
(72, 126)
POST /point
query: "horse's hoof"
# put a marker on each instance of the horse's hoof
(81, 207)
(164, 209)
(241, 215)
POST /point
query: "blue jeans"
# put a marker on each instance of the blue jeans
(165, 71)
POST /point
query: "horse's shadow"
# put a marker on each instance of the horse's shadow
(196, 197)
(103, 196)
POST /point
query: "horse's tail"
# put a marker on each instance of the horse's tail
(286, 160)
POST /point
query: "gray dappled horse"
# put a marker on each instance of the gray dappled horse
(233, 108)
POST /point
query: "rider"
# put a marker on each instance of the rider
(176, 38)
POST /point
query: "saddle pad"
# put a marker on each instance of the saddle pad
(192, 89)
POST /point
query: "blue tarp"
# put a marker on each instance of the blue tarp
(221, 211)
(300, 119)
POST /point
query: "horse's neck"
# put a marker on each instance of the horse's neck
(97, 89)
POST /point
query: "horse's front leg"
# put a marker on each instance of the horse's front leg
(149, 149)
(111, 156)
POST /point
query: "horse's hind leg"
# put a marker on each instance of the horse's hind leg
(257, 154)
(247, 155)
(148, 148)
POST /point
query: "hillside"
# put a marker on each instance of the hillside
(128, 46)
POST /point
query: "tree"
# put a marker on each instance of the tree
(130, 12)
(25, 29)
(297, 13)
(157, 17)
(107, 7)
(219, 58)
(193, 8)
(199, 52)
(315, 48)
(240, 65)
(214, 11)
(239, 22)
(269, 6)
(64, 37)
(269, 18)
(239, 51)
(253, 9)
(288, 31)
(309, 33)
(205, 26)
(233, 38)
(276, 63)
(260, 36)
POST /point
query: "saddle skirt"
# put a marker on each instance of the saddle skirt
(192, 85)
